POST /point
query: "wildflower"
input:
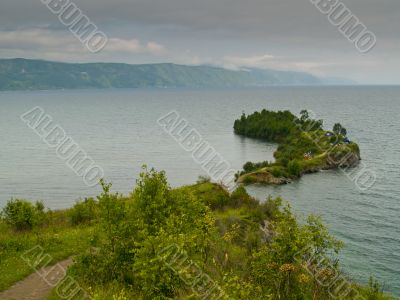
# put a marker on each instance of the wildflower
(287, 268)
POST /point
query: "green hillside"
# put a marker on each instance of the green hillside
(23, 74)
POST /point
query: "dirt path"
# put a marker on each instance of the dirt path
(34, 287)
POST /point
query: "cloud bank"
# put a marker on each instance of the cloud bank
(279, 34)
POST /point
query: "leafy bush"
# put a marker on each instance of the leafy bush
(240, 197)
(23, 215)
(248, 167)
(203, 179)
(277, 171)
(248, 179)
(339, 129)
(211, 194)
(135, 230)
(374, 290)
(84, 211)
(294, 168)
(278, 269)
(271, 207)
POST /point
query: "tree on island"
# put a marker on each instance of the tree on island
(308, 123)
(339, 129)
(304, 115)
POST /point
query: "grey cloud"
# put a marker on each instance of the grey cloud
(222, 32)
(251, 17)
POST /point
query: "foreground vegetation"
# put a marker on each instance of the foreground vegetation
(54, 233)
(303, 146)
(226, 245)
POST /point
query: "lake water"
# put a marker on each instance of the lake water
(119, 130)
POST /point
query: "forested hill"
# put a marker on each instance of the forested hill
(24, 74)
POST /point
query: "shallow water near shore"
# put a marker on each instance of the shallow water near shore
(119, 130)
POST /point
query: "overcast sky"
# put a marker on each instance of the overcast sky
(277, 34)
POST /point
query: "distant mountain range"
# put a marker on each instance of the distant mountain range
(26, 74)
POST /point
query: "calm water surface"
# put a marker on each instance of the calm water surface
(118, 129)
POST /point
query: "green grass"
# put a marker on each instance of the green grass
(60, 241)
(112, 292)
(211, 194)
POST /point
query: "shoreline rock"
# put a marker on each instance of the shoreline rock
(265, 177)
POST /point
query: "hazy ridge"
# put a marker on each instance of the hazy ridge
(25, 74)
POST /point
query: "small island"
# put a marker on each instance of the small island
(303, 146)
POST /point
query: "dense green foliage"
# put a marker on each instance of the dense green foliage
(83, 211)
(303, 145)
(23, 215)
(23, 74)
(268, 125)
(248, 249)
(134, 230)
(339, 129)
(242, 248)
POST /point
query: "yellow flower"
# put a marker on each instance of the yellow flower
(287, 268)
(303, 278)
(273, 266)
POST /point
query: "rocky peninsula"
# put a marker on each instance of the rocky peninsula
(303, 146)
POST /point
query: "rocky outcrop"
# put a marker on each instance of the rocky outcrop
(263, 177)
(331, 162)
(336, 161)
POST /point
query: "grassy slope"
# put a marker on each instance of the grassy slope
(62, 240)
(59, 240)
(247, 216)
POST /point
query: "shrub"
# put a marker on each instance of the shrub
(203, 179)
(283, 160)
(277, 171)
(339, 129)
(374, 290)
(211, 194)
(22, 215)
(248, 167)
(134, 231)
(294, 168)
(278, 268)
(42, 217)
(84, 211)
(240, 197)
(271, 208)
(249, 179)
